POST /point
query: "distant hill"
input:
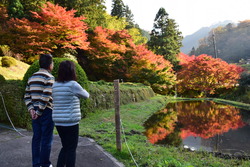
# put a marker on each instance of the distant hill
(192, 40)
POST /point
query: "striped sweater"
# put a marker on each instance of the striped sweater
(38, 92)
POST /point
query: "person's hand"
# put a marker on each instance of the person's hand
(33, 114)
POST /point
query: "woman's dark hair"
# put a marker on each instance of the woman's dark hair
(45, 61)
(66, 71)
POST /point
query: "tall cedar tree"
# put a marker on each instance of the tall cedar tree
(165, 38)
(129, 17)
(118, 9)
(93, 10)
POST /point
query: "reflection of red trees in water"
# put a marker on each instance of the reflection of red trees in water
(160, 125)
(207, 119)
(203, 119)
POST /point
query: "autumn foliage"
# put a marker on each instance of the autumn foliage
(199, 119)
(204, 75)
(55, 30)
(113, 54)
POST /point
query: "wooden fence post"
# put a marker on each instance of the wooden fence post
(117, 115)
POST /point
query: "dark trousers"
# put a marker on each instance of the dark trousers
(42, 139)
(69, 139)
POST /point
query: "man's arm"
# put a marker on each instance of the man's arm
(27, 98)
(46, 95)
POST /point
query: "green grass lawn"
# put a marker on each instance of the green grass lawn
(100, 127)
(14, 72)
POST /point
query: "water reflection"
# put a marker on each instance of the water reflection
(201, 125)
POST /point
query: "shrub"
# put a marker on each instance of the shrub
(2, 79)
(102, 94)
(11, 91)
(5, 50)
(8, 61)
(101, 97)
(81, 77)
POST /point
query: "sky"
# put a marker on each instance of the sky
(190, 15)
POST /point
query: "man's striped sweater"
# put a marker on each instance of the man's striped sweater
(38, 92)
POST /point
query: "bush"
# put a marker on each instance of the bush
(101, 97)
(8, 61)
(81, 77)
(2, 79)
(102, 94)
(5, 50)
(15, 106)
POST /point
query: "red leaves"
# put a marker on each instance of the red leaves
(55, 29)
(205, 74)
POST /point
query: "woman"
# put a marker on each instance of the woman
(66, 111)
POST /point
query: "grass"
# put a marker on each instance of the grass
(246, 66)
(100, 126)
(14, 72)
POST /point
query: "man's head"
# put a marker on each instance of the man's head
(46, 61)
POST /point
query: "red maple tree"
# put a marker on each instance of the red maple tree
(55, 30)
(204, 75)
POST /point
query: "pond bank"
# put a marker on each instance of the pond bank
(100, 126)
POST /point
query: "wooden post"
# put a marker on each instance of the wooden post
(117, 115)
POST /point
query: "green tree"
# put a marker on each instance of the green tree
(3, 2)
(31, 5)
(93, 10)
(15, 9)
(137, 36)
(165, 38)
(129, 17)
(118, 9)
(192, 52)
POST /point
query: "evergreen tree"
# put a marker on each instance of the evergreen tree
(192, 52)
(15, 9)
(118, 9)
(31, 5)
(93, 10)
(129, 18)
(165, 38)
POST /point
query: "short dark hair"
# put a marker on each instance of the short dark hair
(66, 71)
(45, 61)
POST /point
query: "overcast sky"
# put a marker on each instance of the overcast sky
(190, 15)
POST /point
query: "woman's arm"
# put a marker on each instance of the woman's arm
(79, 91)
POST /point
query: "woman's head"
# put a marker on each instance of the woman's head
(66, 71)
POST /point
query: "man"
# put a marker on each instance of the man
(38, 99)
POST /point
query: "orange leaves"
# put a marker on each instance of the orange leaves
(203, 75)
(199, 119)
(110, 40)
(207, 119)
(158, 61)
(55, 29)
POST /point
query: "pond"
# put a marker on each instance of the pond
(201, 125)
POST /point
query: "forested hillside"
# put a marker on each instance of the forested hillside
(231, 42)
(192, 40)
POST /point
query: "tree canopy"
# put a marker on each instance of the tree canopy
(58, 31)
(204, 75)
(165, 38)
